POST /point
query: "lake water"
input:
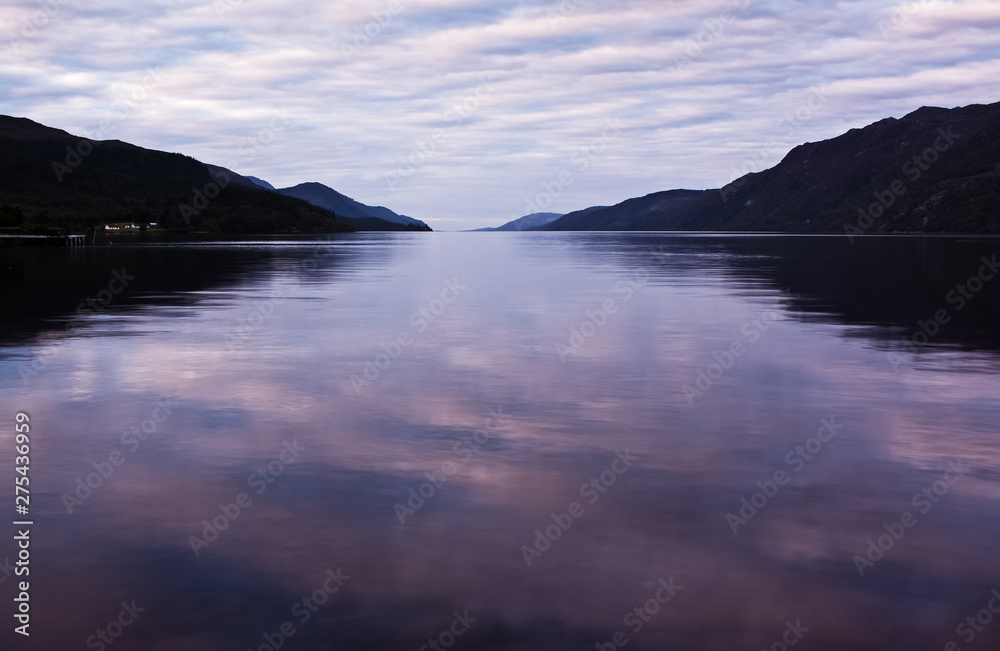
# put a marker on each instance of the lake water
(507, 441)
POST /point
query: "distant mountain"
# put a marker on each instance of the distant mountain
(325, 197)
(934, 170)
(360, 216)
(261, 182)
(52, 180)
(527, 222)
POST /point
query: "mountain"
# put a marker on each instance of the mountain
(528, 222)
(934, 170)
(576, 215)
(325, 197)
(260, 182)
(53, 180)
(222, 172)
(643, 214)
(358, 215)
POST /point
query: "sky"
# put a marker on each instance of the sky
(469, 113)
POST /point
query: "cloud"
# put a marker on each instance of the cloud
(697, 86)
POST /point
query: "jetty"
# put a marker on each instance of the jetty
(42, 240)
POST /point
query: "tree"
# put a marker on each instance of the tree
(11, 216)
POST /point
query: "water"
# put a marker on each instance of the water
(579, 417)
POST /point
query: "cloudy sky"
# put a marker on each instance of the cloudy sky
(467, 113)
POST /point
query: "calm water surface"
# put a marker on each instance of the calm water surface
(518, 438)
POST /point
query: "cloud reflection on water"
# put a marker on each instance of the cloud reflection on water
(495, 348)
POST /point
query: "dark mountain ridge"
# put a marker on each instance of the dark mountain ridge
(53, 181)
(933, 171)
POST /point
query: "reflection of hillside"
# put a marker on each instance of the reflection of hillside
(41, 288)
(890, 283)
